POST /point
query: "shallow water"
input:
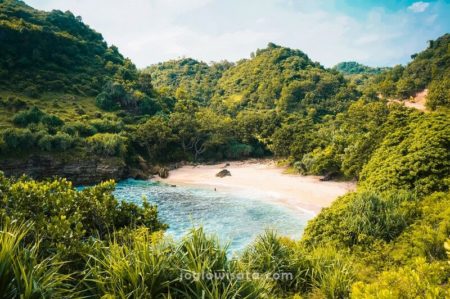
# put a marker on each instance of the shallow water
(235, 219)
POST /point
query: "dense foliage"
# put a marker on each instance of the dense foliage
(58, 51)
(281, 78)
(187, 78)
(355, 68)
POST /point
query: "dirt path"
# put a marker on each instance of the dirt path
(418, 102)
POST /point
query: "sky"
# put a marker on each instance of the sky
(375, 33)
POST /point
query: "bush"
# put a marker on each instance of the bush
(412, 157)
(79, 128)
(107, 144)
(362, 218)
(238, 151)
(320, 161)
(24, 118)
(148, 106)
(59, 141)
(420, 280)
(62, 141)
(45, 142)
(34, 116)
(112, 97)
(65, 219)
(18, 139)
(439, 93)
(52, 121)
(107, 126)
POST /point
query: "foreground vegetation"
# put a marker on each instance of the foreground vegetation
(386, 240)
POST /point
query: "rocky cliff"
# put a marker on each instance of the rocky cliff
(86, 170)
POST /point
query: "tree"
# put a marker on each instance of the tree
(154, 137)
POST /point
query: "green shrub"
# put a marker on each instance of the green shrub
(64, 218)
(52, 121)
(362, 218)
(45, 142)
(79, 128)
(62, 141)
(18, 139)
(412, 157)
(439, 93)
(24, 118)
(238, 151)
(425, 236)
(107, 144)
(34, 116)
(112, 97)
(270, 254)
(148, 106)
(107, 125)
(321, 161)
(420, 280)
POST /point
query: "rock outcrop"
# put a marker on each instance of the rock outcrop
(79, 170)
(223, 173)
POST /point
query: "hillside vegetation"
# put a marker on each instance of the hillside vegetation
(355, 68)
(428, 69)
(388, 239)
(187, 78)
(59, 52)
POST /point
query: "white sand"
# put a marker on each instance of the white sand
(263, 179)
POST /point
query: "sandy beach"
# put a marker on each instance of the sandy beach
(265, 180)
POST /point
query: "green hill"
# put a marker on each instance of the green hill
(187, 78)
(281, 78)
(428, 69)
(53, 51)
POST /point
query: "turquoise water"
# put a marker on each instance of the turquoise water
(235, 219)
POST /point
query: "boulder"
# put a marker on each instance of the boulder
(223, 173)
(329, 176)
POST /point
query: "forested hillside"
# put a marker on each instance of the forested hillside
(428, 69)
(355, 68)
(187, 78)
(282, 79)
(67, 98)
(59, 52)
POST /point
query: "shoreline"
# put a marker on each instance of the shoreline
(264, 180)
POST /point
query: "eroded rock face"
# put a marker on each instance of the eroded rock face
(223, 173)
(81, 171)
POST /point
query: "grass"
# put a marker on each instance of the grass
(67, 107)
(23, 274)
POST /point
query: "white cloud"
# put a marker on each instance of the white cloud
(418, 7)
(150, 31)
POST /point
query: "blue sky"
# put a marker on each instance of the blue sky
(376, 33)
